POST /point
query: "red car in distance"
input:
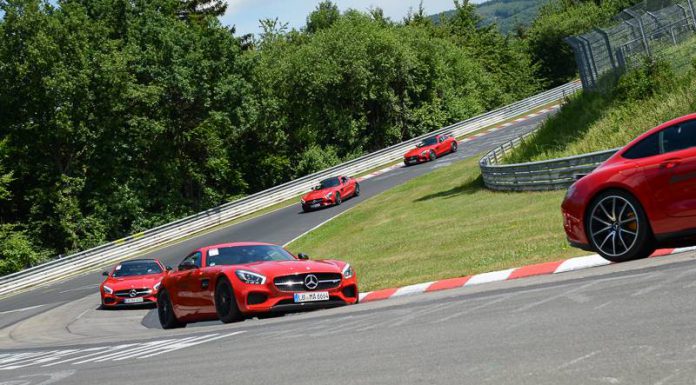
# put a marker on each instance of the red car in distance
(643, 197)
(133, 282)
(234, 280)
(329, 192)
(430, 148)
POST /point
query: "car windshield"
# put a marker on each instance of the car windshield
(239, 255)
(331, 182)
(429, 141)
(128, 269)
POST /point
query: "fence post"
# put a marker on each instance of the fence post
(642, 30)
(590, 58)
(610, 52)
(693, 14)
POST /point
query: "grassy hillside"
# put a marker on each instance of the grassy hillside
(642, 99)
(507, 14)
(441, 225)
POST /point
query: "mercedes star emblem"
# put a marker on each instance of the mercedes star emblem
(311, 282)
(132, 293)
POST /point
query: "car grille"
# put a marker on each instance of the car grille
(412, 158)
(314, 201)
(138, 292)
(297, 282)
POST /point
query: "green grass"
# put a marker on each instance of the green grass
(594, 121)
(441, 225)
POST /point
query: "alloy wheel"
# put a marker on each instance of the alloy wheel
(614, 225)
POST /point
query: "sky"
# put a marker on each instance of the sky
(245, 14)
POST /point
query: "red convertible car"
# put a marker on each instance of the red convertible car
(643, 197)
(430, 148)
(331, 191)
(133, 282)
(234, 280)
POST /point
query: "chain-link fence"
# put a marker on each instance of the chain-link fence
(653, 28)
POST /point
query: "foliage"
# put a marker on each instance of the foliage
(558, 20)
(594, 121)
(118, 115)
(507, 15)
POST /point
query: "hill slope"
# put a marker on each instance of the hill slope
(507, 14)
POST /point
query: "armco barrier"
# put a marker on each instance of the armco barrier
(551, 174)
(136, 244)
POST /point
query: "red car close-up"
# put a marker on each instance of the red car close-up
(133, 282)
(643, 197)
(330, 192)
(234, 280)
(430, 148)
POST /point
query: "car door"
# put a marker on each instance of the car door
(442, 145)
(677, 170)
(188, 279)
(345, 187)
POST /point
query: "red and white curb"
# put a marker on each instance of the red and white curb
(467, 139)
(572, 264)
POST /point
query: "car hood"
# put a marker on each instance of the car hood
(417, 151)
(124, 283)
(278, 268)
(316, 194)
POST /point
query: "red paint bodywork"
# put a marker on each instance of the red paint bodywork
(664, 184)
(421, 154)
(347, 189)
(193, 301)
(128, 283)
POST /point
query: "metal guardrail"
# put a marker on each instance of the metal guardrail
(159, 236)
(554, 174)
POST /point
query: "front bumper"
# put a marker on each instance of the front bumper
(408, 160)
(112, 300)
(266, 298)
(316, 204)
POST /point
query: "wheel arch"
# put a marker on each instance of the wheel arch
(613, 187)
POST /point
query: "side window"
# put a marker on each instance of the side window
(679, 137)
(195, 258)
(649, 146)
(344, 179)
(442, 138)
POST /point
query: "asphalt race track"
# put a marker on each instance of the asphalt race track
(627, 323)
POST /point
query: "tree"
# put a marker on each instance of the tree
(323, 16)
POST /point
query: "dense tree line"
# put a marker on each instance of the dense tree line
(116, 115)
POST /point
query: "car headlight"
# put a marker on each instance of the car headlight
(347, 272)
(250, 278)
(157, 286)
(302, 201)
(571, 191)
(328, 196)
(108, 290)
(424, 152)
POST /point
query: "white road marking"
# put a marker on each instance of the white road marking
(493, 276)
(575, 361)
(22, 309)
(79, 288)
(412, 289)
(48, 358)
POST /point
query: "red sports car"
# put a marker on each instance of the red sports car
(331, 191)
(234, 280)
(430, 148)
(643, 197)
(133, 282)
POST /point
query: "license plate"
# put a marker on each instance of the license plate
(314, 206)
(133, 300)
(412, 161)
(311, 297)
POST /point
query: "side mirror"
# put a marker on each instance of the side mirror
(303, 256)
(169, 268)
(187, 265)
(105, 273)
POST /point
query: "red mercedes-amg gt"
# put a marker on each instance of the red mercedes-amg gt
(233, 280)
(643, 197)
(329, 192)
(430, 148)
(133, 282)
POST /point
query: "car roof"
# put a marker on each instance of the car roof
(140, 260)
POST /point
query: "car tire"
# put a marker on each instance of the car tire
(433, 155)
(225, 302)
(406, 164)
(338, 199)
(454, 147)
(305, 209)
(165, 312)
(617, 227)
(357, 190)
